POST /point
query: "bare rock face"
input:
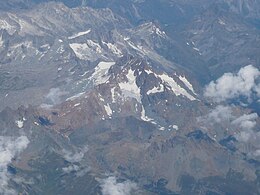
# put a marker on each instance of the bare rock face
(109, 97)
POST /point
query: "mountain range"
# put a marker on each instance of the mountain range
(130, 97)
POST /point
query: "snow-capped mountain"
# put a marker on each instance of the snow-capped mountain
(111, 97)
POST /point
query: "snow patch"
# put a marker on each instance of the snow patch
(113, 48)
(113, 95)
(126, 38)
(148, 71)
(161, 128)
(75, 96)
(6, 26)
(129, 88)
(45, 46)
(146, 118)
(60, 49)
(159, 32)
(79, 34)
(95, 46)
(108, 110)
(187, 83)
(138, 48)
(84, 51)
(1, 41)
(158, 89)
(84, 74)
(221, 22)
(75, 105)
(178, 90)
(196, 49)
(19, 123)
(80, 50)
(174, 127)
(100, 73)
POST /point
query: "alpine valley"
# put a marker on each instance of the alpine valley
(124, 97)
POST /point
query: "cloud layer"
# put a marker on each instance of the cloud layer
(220, 114)
(244, 124)
(243, 127)
(246, 121)
(53, 97)
(9, 148)
(75, 157)
(110, 186)
(245, 83)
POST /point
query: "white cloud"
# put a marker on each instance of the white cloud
(71, 168)
(246, 121)
(80, 171)
(22, 181)
(110, 186)
(243, 125)
(257, 90)
(220, 113)
(230, 86)
(257, 153)
(74, 157)
(244, 136)
(9, 148)
(53, 97)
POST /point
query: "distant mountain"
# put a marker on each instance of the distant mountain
(129, 97)
(199, 17)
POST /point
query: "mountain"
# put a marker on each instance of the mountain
(12, 5)
(185, 20)
(129, 97)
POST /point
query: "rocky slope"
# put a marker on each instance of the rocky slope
(109, 101)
